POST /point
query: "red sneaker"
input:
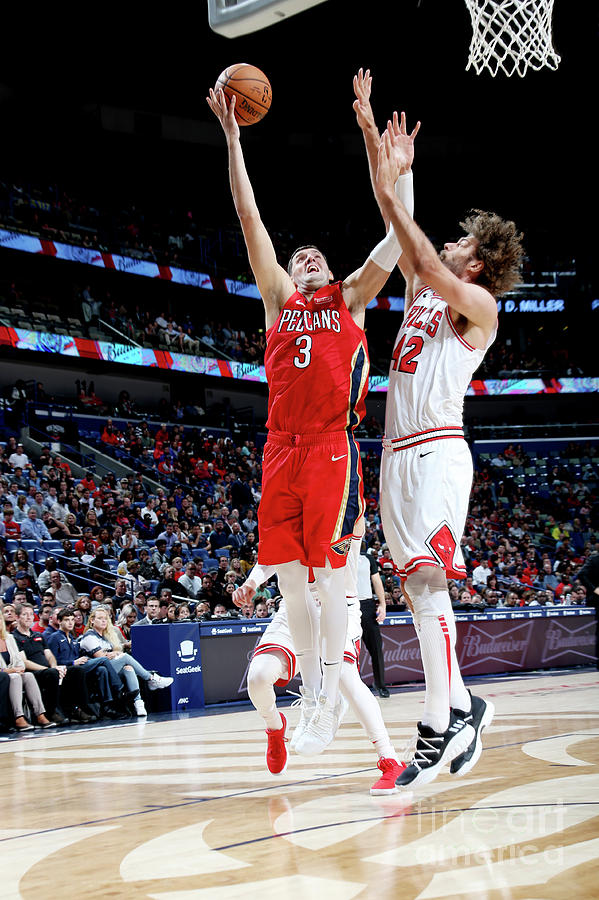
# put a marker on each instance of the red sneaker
(391, 770)
(276, 752)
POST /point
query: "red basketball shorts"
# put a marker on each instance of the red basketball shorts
(312, 496)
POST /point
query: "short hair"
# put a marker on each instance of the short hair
(499, 247)
(297, 250)
(66, 611)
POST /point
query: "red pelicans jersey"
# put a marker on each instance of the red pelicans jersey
(316, 365)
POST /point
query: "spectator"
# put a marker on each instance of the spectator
(183, 612)
(20, 508)
(64, 592)
(22, 563)
(19, 458)
(159, 559)
(169, 581)
(53, 623)
(122, 593)
(168, 537)
(46, 610)
(481, 573)
(219, 538)
(11, 663)
(191, 581)
(21, 586)
(249, 522)
(126, 618)
(12, 529)
(261, 610)
(39, 660)
(221, 611)
(101, 639)
(209, 591)
(33, 529)
(152, 612)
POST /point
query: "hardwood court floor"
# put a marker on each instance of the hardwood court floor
(185, 809)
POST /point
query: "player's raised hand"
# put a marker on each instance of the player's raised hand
(224, 112)
(402, 141)
(244, 594)
(389, 163)
(361, 105)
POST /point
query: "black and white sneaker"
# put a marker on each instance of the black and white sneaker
(480, 715)
(435, 750)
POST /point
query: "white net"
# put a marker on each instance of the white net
(511, 36)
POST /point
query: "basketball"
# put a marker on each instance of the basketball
(252, 91)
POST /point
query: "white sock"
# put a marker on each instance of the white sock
(333, 627)
(435, 651)
(435, 626)
(459, 698)
(366, 709)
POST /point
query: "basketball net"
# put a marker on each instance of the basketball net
(511, 35)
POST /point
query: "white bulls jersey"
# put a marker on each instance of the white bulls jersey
(431, 368)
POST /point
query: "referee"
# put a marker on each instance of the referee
(369, 583)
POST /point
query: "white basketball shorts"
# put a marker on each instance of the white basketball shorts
(278, 637)
(425, 491)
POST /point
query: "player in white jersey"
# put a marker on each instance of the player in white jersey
(273, 663)
(450, 321)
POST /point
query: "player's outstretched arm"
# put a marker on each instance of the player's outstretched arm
(365, 119)
(273, 282)
(257, 576)
(363, 284)
(467, 299)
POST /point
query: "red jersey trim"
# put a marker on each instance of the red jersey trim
(456, 332)
(291, 661)
(426, 287)
(443, 433)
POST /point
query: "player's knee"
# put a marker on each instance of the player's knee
(427, 589)
(256, 678)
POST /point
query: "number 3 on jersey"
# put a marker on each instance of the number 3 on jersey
(305, 348)
(409, 361)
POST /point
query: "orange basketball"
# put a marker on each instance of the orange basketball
(252, 91)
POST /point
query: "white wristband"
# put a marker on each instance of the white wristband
(404, 190)
(387, 252)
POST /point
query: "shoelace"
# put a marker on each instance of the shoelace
(306, 705)
(327, 715)
(385, 765)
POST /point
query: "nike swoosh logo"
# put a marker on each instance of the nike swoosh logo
(426, 454)
(335, 458)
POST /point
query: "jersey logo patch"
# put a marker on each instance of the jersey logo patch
(342, 547)
(443, 545)
(323, 299)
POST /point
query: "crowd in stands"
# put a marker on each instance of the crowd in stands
(184, 330)
(142, 556)
(166, 237)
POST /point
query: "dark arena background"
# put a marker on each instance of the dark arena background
(132, 373)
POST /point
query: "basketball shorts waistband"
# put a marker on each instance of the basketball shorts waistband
(442, 433)
(286, 439)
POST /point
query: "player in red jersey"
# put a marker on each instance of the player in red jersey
(317, 368)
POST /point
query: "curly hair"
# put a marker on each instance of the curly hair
(499, 247)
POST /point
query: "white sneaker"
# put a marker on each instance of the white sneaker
(139, 707)
(322, 727)
(307, 704)
(158, 682)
